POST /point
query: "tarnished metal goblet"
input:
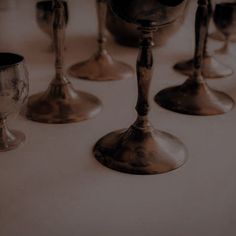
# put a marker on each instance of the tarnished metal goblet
(44, 17)
(211, 68)
(141, 149)
(225, 21)
(195, 97)
(14, 88)
(61, 103)
(216, 34)
(101, 66)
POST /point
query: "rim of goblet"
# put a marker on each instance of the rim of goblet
(49, 4)
(43, 3)
(11, 59)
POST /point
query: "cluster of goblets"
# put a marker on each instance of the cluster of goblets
(140, 149)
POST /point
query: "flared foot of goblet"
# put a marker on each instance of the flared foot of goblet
(63, 104)
(101, 67)
(225, 50)
(216, 35)
(140, 151)
(194, 98)
(11, 139)
(211, 68)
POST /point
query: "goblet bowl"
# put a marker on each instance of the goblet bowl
(44, 15)
(127, 34)
(225, 18)
(160, 11)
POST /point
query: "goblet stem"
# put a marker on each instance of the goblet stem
(5, 134)
(9, 139)
(58, 42)
(201, 26)
(209, 16)
(144, 70)
(101, 13)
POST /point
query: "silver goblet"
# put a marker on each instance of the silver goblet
(13, 93)
(44, 17)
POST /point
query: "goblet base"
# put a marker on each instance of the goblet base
(194, 98)
(101, 67)
(220, 37)
(140, 151)
(211, 68)
(12, 140)
(62, 104)
(225, 50)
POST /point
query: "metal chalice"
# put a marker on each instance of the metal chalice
(61, 103)
(141, 149)
(101, 66)
(14, 87)
(44, 17)
(225, 21)
(211, 68)
(195, 97)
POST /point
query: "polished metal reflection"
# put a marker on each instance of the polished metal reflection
(101, 66)
(61, 103)
(141, 149)
(44, 16)
(195, 97)
(14, 87)
(225, 21)
(211, 68)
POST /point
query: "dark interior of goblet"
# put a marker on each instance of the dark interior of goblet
(47, 6)
(227, 4)
(161, 11)
(9, 59)
(225, 15)
(225, 8)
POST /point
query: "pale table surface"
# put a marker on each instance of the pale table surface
(53, 186)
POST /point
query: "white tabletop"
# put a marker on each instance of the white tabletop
(53, 186)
